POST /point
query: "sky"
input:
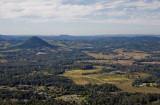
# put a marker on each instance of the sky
(79, 17)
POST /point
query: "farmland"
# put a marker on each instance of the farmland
(121, 57)
(122, 81)
(121, 54)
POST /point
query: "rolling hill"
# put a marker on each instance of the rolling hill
(35, 42)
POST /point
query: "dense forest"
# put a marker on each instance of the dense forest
(70, 70)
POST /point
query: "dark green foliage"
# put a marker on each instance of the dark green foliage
(35, 42)
(82, 66)
(123, 99)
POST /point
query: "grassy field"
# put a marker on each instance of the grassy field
(39, 53)
(122, 81)
(15, 50)
(127, 87)
(128, 57)
(135, 55)
(78, 78)
(1, 55)
(3, 61)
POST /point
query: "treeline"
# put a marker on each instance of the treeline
(123, 99)
(63, 86)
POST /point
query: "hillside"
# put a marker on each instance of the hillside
(35, 42)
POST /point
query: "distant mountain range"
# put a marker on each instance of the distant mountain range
(69, 37)
(1, 39)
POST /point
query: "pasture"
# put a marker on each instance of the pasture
(3, 61)
(122, 81)
(121, 54)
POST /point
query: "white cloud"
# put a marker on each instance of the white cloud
(47, 9)
(135, 12)
(144, 5)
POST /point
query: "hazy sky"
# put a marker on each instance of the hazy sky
(79, 17)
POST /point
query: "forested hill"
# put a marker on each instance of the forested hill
(35, 42)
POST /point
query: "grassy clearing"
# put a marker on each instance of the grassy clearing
(127, 87)
(78, 78)
(15, 50)
(76, 98)
(1, 55)
(3, 87)
(121, 54)
(40, 53)
(102, 56)
(122, 81)
(3, 61)
(129, 57)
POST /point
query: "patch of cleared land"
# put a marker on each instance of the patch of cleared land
(121, 54)
(122, 57)
(1, 55)
(122, 81)
(78, 78)
(39, 53)
(127, 87)
(76, 98)
(3, 61)
(134, 54)
(15, 50)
